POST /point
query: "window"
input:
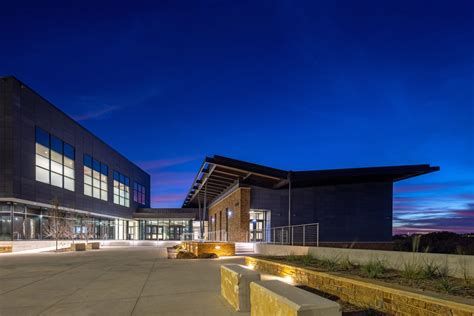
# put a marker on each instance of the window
(139, 193)
(96, 176)
(54, 161)
(121, 189)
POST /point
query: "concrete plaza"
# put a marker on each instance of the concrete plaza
(111, 281)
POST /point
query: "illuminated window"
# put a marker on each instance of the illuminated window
(96, 176)
(121, 189)
(139, 193)
(54, 161)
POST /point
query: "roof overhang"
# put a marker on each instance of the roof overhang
(218, 174)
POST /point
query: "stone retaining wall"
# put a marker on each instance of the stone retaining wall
(365, 293)
(457, 264)
(219, 248)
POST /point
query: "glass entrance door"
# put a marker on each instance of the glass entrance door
(160, 232)
(257, 226)
(175, 232)
(151, 232)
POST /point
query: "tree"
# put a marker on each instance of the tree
(56, 227)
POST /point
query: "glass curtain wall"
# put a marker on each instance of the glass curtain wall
(31, 223)
(165, 229)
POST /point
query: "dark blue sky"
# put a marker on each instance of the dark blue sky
(290, 84)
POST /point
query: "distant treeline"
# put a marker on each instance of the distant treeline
(438, 242)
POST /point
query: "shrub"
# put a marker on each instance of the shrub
(373, 269)
(292, 258)
(208, 256)
(430, 270)
(346, 265)
(185, 255)
(447, 286)
(412, 271)
(306, 260)
(331, 264)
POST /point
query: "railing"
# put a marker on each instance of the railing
(298, 235)
(219, 235)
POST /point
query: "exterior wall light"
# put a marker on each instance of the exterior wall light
(229, 213)
(217, 247)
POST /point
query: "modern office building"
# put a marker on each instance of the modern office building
(48, 159)
(49, 163)
(250, 202)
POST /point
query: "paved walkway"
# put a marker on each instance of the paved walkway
(111, 281)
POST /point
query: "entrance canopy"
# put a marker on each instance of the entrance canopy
(219, 174)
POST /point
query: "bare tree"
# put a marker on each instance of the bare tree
(56, 227)
(87, 227)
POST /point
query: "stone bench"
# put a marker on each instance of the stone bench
(78, 247)
(93, 245)
(235, 285)
(278, 298)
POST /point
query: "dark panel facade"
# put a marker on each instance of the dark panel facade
(24, 110)
(348, 212)
(6, 139)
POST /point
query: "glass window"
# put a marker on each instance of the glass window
(121, 189)
(56, 167)
(87, 190)
(139, 193)
(42, 150)
(69, 151)
(51, 165)
(95, 176)
(56, 144)
(42, 162)
(88, 161)
(42, 137)
(69, 184)
(56, 180)
(42, 175)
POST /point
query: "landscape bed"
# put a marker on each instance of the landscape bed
(372, 286)
(426, 278)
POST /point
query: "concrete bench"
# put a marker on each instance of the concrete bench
(278, 298)
(235, 285)
(93, 245)
(78, 247)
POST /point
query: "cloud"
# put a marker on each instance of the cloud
(422, 219)
(164, 163)
(168, 179)
(96, 114)
(167, 199)
(430, 187)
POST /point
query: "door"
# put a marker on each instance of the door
(160, 232)
(151, 232)
(257, 226)
(175, 232)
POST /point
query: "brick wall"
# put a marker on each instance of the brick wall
(238, 203)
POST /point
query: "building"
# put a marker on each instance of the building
(50, 164)
(250, 202)
(46, 158)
